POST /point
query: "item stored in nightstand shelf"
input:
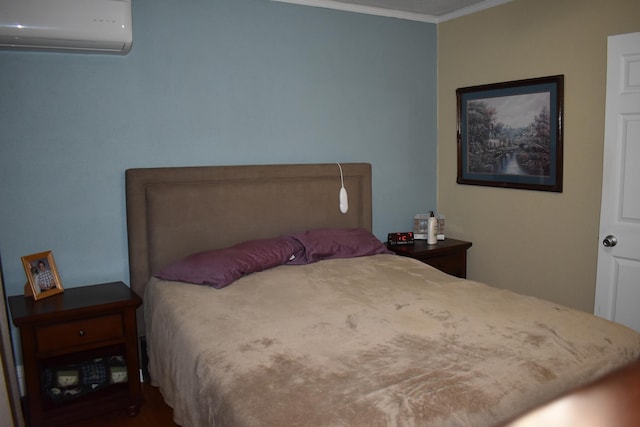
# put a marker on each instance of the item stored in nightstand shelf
(68, 382)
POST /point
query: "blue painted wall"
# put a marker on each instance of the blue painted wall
(208, 82)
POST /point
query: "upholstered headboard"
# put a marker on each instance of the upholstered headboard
(173, 212)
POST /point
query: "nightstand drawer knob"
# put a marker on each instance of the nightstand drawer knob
(81, 333)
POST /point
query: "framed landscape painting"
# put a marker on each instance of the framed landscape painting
(510, 134)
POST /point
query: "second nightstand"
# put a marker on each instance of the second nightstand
(449, 255)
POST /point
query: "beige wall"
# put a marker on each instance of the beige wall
(537, 243)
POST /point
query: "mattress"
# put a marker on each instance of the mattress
(379, 340)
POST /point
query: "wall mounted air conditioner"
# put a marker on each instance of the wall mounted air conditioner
(66, 25)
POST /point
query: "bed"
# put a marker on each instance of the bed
(334, 330)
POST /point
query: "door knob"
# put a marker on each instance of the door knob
(610, 241)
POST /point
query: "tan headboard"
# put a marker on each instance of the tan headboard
(173, 212)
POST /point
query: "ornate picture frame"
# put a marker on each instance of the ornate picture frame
(510, 134)
(42, 275)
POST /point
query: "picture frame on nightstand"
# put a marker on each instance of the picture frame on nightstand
(43, 279)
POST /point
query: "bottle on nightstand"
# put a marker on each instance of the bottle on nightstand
(431, 229)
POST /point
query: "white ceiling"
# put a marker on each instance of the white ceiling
(416, 10)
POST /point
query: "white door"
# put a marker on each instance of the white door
(618, 277)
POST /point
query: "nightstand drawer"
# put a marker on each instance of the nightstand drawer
(63, 336)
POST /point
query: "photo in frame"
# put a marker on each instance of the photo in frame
(510, 134)
(42, 275)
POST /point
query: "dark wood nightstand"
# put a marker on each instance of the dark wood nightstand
(84, 332)
(449, 255)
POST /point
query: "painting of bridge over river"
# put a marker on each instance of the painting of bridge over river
(510, 135)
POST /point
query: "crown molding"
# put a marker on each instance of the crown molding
(392, 13)
(368, 10)
(471, 9)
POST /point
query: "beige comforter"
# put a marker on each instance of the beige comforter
(374, 341)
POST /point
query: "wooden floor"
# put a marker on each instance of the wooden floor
(153, 413)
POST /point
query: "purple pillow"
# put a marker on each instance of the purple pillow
(326, 243)
(221, 267)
